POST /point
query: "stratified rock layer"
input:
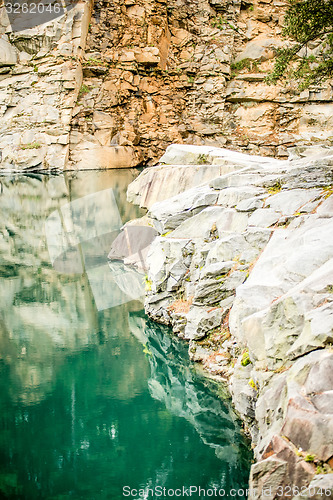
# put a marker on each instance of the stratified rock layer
(191, 72)
(153, 73)
(243, 269)
(40, 79)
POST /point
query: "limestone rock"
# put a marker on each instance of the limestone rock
(200, 320)
(8, 54)
(321, 485)
(260, 49)
(165, 182)
(168, 215)
(37, 98)
(287, 295)
(257, 242)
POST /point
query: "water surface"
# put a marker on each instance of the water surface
(93, 396)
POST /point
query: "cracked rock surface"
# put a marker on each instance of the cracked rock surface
(242, 269)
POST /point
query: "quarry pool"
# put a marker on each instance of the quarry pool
(96, 401)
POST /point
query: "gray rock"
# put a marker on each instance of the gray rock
(8, 54)
(320, 487)
(243, 248)
(184, 154)
(326, 208)
(132, 245)
(205, 224)
(167, 263)
(200, 320)
(260, 49)
(232, 196)
(244, 395)
(264, 217)
(276, 273)
(169, 214)
(250, 204)
(289, 202)
(216, 269)
(286, 407)
(167, 181)
(266, 477)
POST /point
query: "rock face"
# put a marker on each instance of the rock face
(242, 269)
(193, 73)
(153, 73)
(40, 79)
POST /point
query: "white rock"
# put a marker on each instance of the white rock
(8, 54)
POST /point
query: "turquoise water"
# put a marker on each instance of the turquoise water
(96, 401)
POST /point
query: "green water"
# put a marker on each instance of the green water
(95, 398)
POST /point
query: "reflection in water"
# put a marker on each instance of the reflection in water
(174, 381)
(93, 395)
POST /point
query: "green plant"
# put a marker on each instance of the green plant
(218, 22)
(275, 188)
(35, 68)
(253, 384)
(95, 61)
(203, 159)
(306, 21)
(245, 359)
(31, 145)
(147, 351)
(309, 458)
(83, 90)
(245, 63)
(328, 190)
(148, 284)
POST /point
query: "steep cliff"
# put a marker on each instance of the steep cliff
(40, 78)
(190, 72)
(152, 73)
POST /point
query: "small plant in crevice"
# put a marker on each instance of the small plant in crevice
(327, 191)
(253, 384)
(83, 90)
(275, 188)
(246, 63)
(203, 159)
(148, 284)
(218, 22)
(31, 145)
(245, 358)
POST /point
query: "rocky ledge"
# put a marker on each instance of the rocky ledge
(242, 269)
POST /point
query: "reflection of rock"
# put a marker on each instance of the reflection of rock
(174, 382)
(81, 220)
(114, 284)
(44, 315)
